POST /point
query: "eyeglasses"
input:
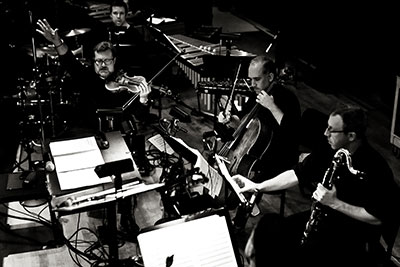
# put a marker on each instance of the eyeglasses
(106, 61)
(330, 130)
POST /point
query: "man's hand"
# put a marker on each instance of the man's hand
(48, 32)
(266, 100)
(224, 117)
(245, 184)
(144, 89)
(325, 196)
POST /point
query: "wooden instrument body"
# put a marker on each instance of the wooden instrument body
(253, 144)
(252, 139)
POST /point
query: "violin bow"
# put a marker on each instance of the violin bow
(233, 87)
(129, 102)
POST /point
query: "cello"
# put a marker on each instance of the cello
(250, 141)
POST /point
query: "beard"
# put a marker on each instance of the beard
(104, 73)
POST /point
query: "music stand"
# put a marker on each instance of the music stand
(190, 240)
(180, 149)
(114, 168)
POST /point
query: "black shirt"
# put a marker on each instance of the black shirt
(93, 95)
(375, 190)
(282, 142)
(339, 240)
(130, 46)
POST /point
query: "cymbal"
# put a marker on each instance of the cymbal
(75, 32)
(41, 51)
(50, 50)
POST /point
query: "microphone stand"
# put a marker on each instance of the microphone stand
(36, 81)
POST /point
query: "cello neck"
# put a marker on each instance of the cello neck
(243, 124)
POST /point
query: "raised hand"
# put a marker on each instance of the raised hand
(48, 32)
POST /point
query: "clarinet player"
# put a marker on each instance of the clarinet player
(356, 207)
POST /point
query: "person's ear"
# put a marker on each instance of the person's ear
(352, 136)
(271, 77)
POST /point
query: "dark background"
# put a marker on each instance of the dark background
(353, 47)
(350, 47)
(338, 47)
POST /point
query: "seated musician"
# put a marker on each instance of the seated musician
(280, 113)
(128, 41)
(103, 88)
(361, 200)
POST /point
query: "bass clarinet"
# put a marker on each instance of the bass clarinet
(341, 158)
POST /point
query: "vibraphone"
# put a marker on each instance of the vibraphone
(192, 64)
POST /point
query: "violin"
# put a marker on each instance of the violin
(124, 82)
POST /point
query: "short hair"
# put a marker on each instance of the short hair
(105, 46)
(119, 3)
(268, 64)
(354, 119)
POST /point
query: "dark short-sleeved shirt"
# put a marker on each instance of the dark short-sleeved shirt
(374, 189)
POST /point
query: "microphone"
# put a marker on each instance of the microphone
(49, 165)
(177, 127)
(102, 141)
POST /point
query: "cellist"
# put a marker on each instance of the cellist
(280, 110)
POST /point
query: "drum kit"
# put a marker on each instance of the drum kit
(43, 99)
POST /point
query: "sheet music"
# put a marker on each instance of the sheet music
(224, 170)
(159, 142)
(75, 161)
(190, 244)
(214, 184)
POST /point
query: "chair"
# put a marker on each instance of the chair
(382, 252)
(389, 236)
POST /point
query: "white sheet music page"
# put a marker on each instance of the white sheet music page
(189, 244)
(75, 161)
(159, 142)
(224, 170)
(214, 184)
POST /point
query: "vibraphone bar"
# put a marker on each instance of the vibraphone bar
(192, 64)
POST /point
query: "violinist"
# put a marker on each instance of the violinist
(279, 112)
(93, 92)
(104, 88)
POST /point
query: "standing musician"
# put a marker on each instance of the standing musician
(356, 208)
(105, 88)
(279, 116)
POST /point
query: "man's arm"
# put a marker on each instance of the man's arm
(52, 36)
(328, 198)
(282, 181)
